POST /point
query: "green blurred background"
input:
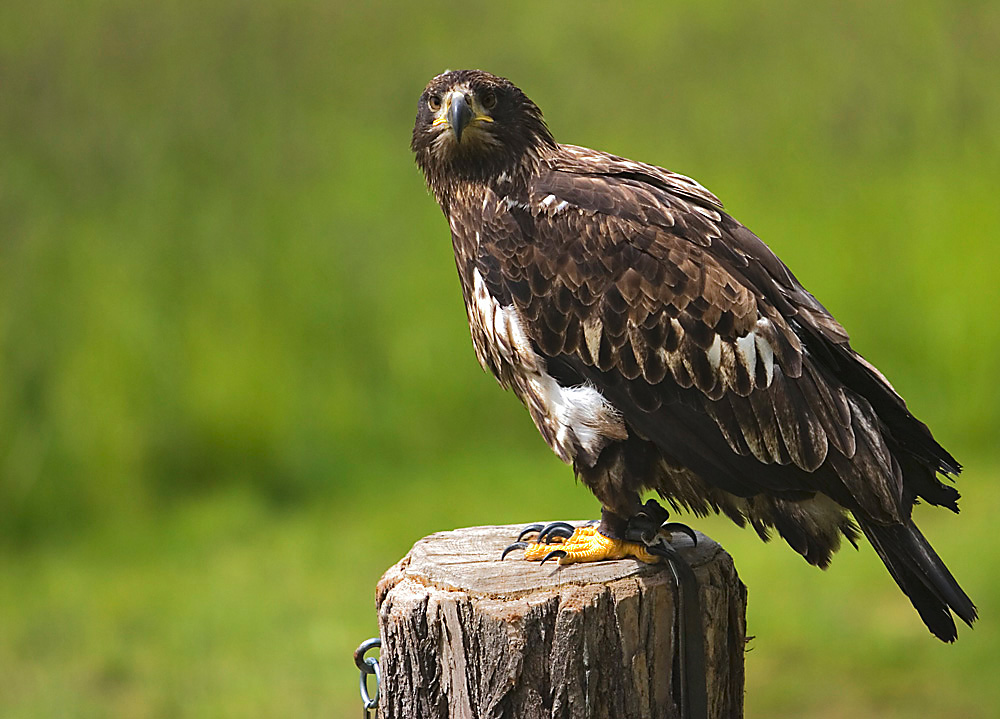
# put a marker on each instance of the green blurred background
(236, 381)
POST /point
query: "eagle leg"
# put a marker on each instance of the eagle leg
(650, 521)
(589, 544)
(612, 538)
(584, 544)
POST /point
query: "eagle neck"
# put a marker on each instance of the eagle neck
(510, 182)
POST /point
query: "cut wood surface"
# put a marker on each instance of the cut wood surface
(466, 635)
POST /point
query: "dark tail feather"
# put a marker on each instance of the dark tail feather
(922, 576)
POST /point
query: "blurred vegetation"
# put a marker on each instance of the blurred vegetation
(237, 379)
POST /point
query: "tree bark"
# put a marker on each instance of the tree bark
(465, 635)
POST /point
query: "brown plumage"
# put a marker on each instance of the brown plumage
(659, 344)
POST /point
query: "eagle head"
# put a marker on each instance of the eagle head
(472, 126)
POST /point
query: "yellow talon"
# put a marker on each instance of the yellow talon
(586, 544)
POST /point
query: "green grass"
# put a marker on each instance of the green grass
(236, 378)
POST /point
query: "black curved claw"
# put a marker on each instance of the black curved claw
(512, 547)
(556, 529)
(554, 554)
(682, 528)
(529, 529)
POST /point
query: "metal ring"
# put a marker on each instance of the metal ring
(368, 665)
(372, 668)
(364, 648)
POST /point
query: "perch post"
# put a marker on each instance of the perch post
(467, 636)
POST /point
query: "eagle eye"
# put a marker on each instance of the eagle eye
(489, 100)
(434, 103)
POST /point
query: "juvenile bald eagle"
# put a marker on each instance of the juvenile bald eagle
(658, 344)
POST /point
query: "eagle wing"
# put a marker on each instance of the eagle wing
(632, 279)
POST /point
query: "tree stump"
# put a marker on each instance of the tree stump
(465, 635)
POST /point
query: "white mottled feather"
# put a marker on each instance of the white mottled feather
(764, 349)
(577, 422)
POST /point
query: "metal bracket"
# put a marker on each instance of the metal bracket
(368, 666)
